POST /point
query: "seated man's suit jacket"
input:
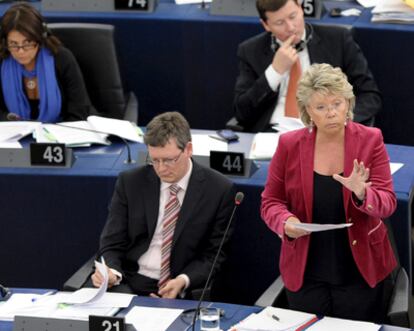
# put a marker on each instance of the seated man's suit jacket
(254, 100)
(133, 215)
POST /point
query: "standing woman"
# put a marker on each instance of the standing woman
(334, 171)
(40, 80)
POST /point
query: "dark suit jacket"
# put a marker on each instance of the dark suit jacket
(133, 217)
(76, 105)
(289, 192)
(254, 101)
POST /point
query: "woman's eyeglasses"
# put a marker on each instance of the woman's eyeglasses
(26, 47)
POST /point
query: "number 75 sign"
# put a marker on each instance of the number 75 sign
(312, 8)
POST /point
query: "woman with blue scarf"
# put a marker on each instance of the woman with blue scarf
(40, 80)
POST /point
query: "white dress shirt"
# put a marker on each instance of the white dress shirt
(275, 80)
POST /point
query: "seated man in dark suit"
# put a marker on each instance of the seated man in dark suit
(264, 91)
(166, 219)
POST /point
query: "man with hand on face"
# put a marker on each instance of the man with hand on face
(271, 63)
(166, 219)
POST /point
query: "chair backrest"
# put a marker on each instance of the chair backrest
(94, 48)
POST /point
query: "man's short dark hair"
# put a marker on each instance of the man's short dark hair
(270, 5)
(166, 126)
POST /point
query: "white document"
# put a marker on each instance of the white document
(314, 227)
(152, 319)
(395, 166)
(91, 295)
(264, 145)
(10, 144)
(187, 2)
(368, 3)
(286, 124)
(337, 324)
(49, 306)
(203, 144)
(13, 131)
(70, 136)
(274, 319)
(120, 128)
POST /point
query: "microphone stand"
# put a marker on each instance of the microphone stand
(238, 200)
(129, 159)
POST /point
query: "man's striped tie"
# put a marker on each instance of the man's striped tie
(171, 211)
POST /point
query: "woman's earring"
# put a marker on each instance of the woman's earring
(310, 128)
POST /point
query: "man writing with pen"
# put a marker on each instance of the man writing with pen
(166, 219)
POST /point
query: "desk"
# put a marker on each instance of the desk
(52, 218)
(182, 58)
(233, 313)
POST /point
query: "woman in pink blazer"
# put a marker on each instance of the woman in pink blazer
(333, 171)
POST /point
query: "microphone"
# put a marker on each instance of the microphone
(129, 159)
(237, 201)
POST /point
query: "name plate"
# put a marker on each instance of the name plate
(228, 163)
(106, 323)
(46, 154)
(140, 5)
(312, 8)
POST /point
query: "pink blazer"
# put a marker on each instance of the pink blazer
(289, 192)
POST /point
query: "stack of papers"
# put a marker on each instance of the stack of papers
(204, 143)
(11, 132)
(152, 319)
(81, 133)
(286, 124)
(392, 11)
(278, 319)
(264, 145)
(68, 305)
(274, 319)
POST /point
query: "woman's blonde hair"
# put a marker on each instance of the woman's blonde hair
(324, 79)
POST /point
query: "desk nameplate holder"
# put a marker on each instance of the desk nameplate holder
(311, 8)
(20, 158)
(29, 323)
(99, 5)
(250, 166)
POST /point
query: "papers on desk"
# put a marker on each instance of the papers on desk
(203, 144)
(11, 132)
(392, 11)
(152, 319)
(314, 227)
(264, 145)
(286, 124)
(273, 319)
(80, 133)
(395, 166)
(278, 319)
(51, 306)
(187, 2)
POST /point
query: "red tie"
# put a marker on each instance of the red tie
(171, 211)
(291, 106)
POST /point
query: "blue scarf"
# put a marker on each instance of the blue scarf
(50, 100)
